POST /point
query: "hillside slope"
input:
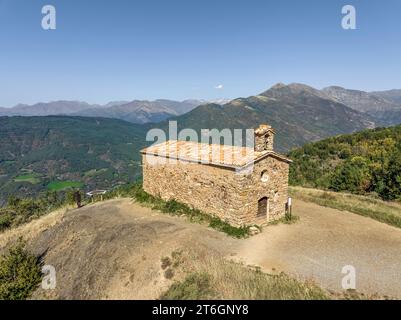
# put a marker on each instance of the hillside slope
(298, 113)
(100, 152)
(391, 95)
(381, 105)
(363, 162)
(118, 249)
(35, 151)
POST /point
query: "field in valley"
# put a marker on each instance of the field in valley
(62, 185)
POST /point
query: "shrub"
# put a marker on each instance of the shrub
(28, 207)
(196, 286)
(169, 273)
(172, 206)
(165, 262)
(6, 218)
(13, 201)
(20, 273)
(140, 195)
(220, 225)
(327, 196)
(290, 219)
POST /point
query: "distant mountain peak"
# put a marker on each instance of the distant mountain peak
(278, 85)
(136, 111)
(334, 88)
(373, 104)
(393, 95)
(292, 86)
(293, 91)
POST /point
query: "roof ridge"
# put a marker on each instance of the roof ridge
(231, 156)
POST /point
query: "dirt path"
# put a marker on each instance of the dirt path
(113, 249)
(323, 242)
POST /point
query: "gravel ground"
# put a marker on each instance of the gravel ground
(325, 240)
(113, 249)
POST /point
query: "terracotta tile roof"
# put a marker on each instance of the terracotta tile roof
(212, 154)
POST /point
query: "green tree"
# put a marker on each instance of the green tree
(6, 218)
(389, 183)
(352, 175)
(20, 273)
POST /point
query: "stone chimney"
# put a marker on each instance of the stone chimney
(264, 138)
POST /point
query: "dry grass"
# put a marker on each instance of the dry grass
(204, 275)
(33, 228)
(383, 211)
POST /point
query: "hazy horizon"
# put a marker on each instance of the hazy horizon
(162, 98)
(147, 50)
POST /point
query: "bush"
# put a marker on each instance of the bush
(165, 262)
(140, 195)
(169, 273)
(195, 287)
(172, 206)
(6, 218)
(220, 225)
(28, 208)
(20, 273)
(352, 175)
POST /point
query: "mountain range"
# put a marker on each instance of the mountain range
(391, 95)
(385, 106)
(137, 111)
(298, 113)
(89, 147)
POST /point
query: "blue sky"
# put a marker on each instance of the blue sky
(176, 49)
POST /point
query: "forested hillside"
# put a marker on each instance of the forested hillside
(365, 162)
(53, 153)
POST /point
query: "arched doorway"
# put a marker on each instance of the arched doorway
(263, 208)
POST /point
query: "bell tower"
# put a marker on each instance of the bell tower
(264, 138)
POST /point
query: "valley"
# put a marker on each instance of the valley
(45, 153)
(40, 154)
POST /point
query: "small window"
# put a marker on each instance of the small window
(223, 193)
(264, 176)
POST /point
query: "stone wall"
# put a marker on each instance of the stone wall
(231, 196)
(274, 186)
(264, 138)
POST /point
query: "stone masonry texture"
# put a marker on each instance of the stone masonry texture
(229, 194)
